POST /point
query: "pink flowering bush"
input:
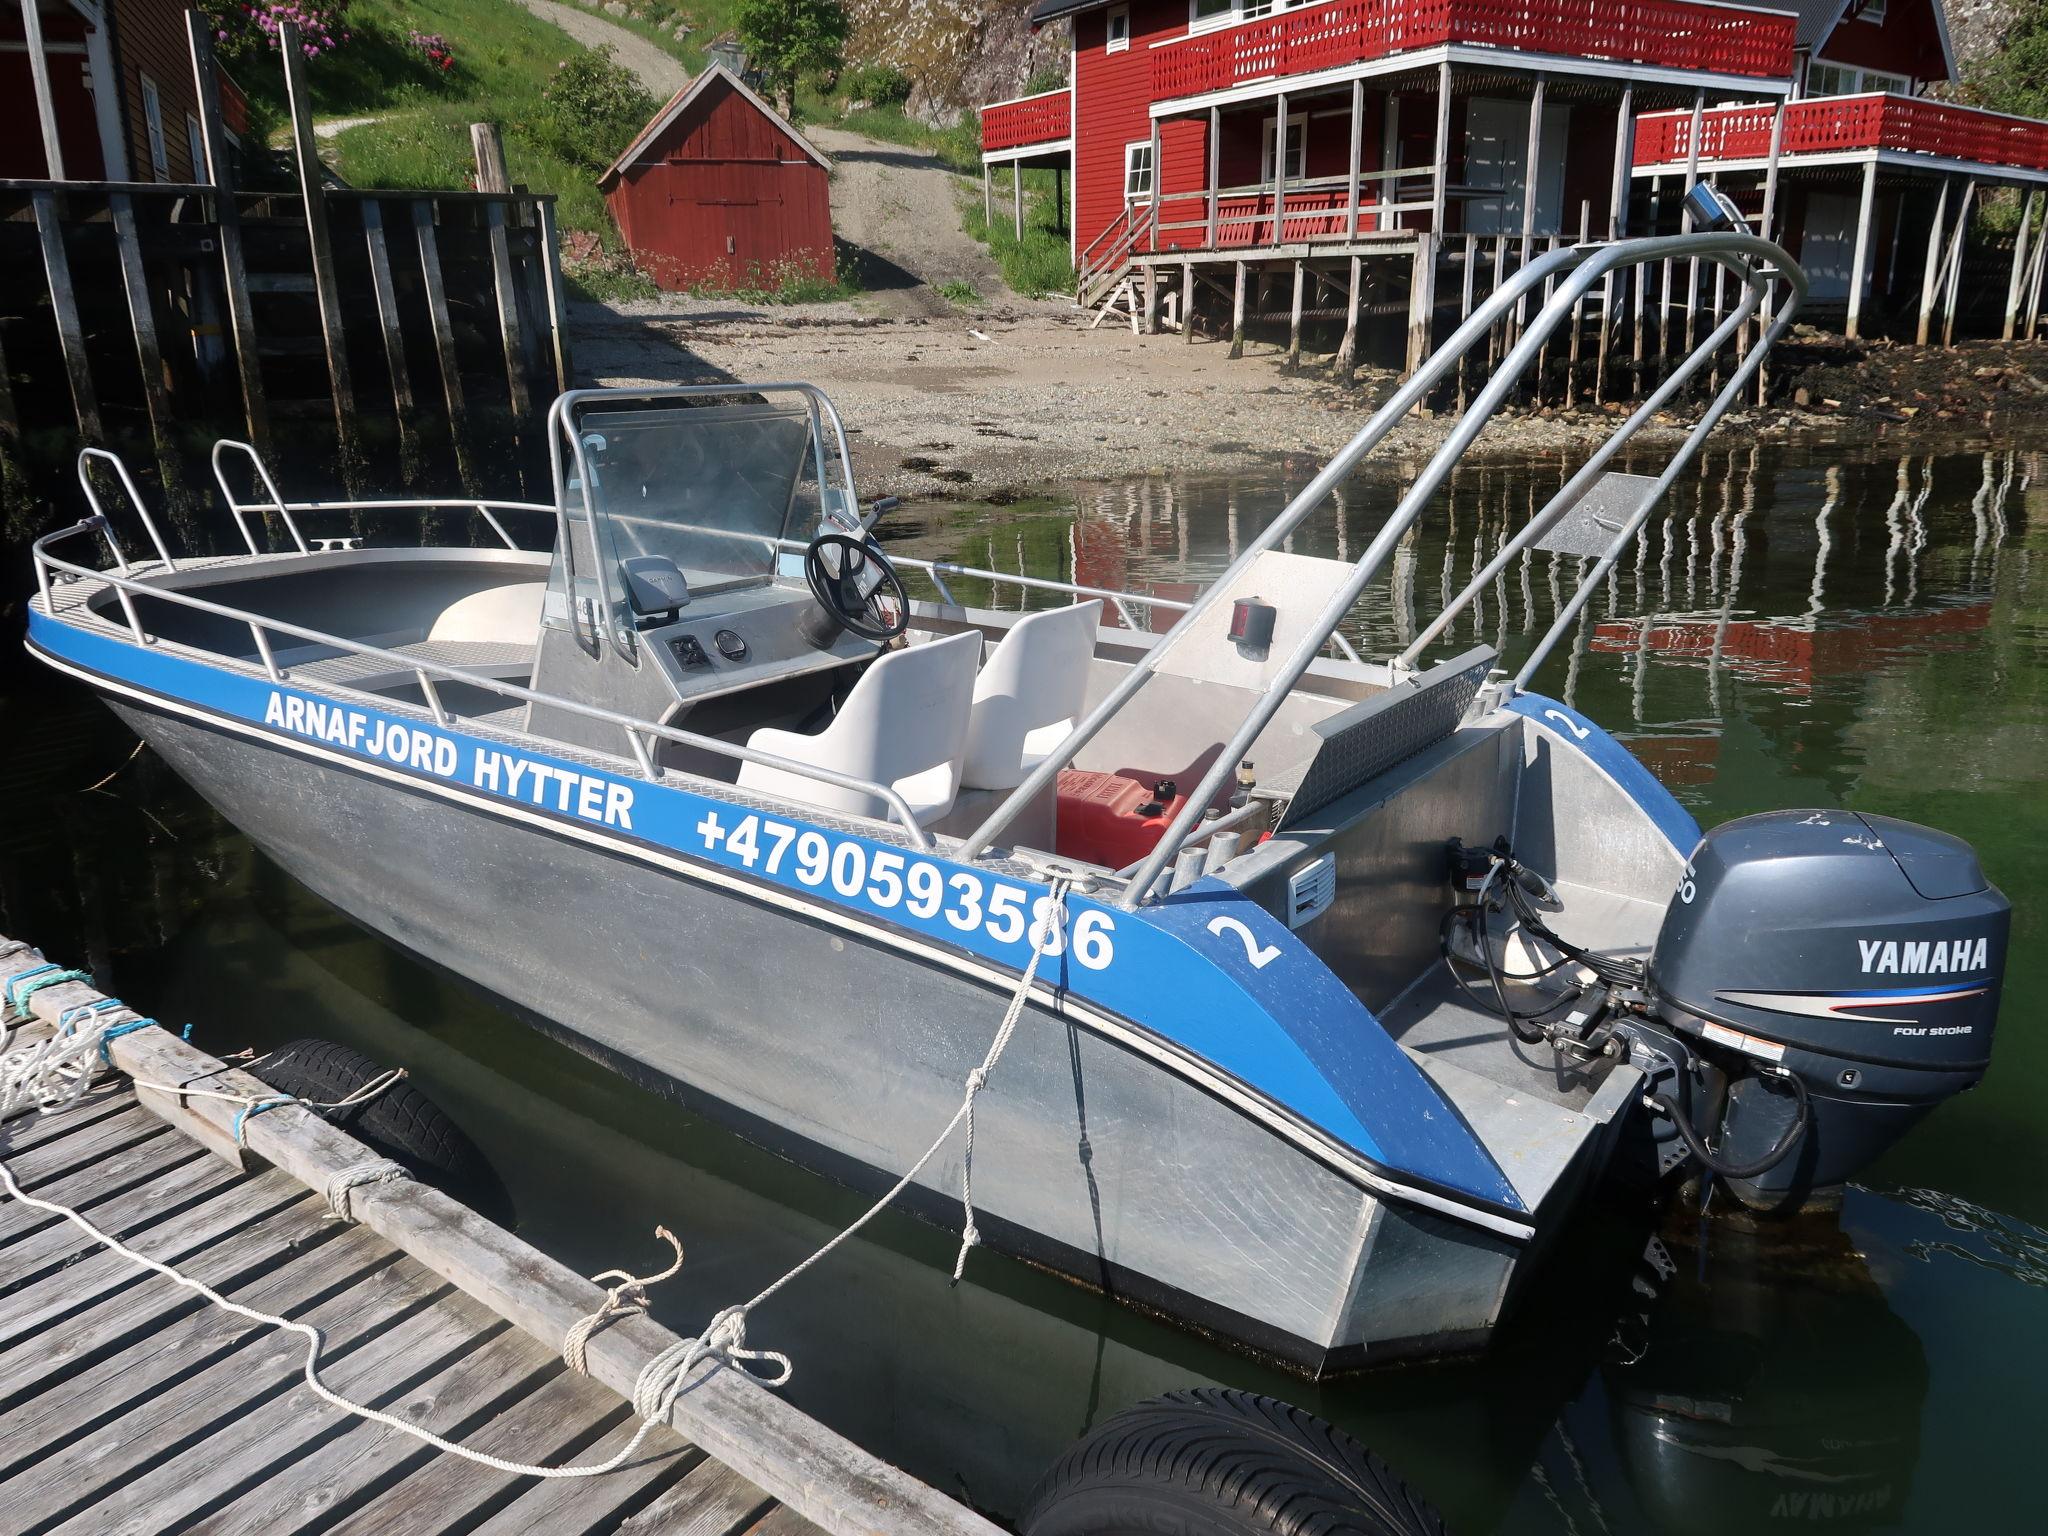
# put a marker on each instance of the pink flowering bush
(242, 27)
(434, 46)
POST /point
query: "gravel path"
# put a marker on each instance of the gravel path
(901, 206)
(662, 73)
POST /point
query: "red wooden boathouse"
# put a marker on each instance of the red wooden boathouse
(719, 191)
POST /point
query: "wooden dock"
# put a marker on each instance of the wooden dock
(129, 1404)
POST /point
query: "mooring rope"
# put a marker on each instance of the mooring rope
(662, 1379)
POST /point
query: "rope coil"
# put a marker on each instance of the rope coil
(344, 1182)
(624, 1299)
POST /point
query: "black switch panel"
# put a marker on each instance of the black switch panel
(688, 652)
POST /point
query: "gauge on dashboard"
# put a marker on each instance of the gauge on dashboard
(730, 645)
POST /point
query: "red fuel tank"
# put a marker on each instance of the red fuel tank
(1113, 819)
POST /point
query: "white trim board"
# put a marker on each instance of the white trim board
(1891, 158)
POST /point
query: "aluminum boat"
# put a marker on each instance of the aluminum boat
(1317, 1054)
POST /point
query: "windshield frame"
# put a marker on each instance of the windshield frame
(829, 453)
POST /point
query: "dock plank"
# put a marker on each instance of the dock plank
(111, 1097)
(713, 1500)
(58, 1401)
(289, 1470)
(43, 1302)
(156, 1198)
(133, 1473)
(590, 1506)
(547, 1427)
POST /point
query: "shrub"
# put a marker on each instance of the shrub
(433, 46)
(880, 85)
(592, 107)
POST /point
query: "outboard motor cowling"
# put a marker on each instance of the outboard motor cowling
(1859, 954)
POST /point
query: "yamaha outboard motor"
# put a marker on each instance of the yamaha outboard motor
(1827, 978)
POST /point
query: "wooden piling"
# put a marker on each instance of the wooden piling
(1237, 314)
(444, 331)
(227, 218)
(2019, 264)
(1955, 265)
(558, 298)
(64, 309)
(1152, 300)
(326, 286)
(487, 148)
(1294, 319)
(385, 292)
(142, 315)
(1531, 160)
(1187, 300)
(1859, 264)
(39, 83)
(1017, 195)
(1465, 284)
(509, 328)
(1930, 274)
(1346, 366)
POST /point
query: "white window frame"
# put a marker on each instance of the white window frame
(1855, 81)
(1297, 144)
(1116, 44)
(1239, 11)
(153, 124)
(1133, 152)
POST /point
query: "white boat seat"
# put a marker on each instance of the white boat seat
(1029, 695)
(904, 725)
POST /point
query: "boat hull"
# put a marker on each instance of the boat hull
(834, 1049)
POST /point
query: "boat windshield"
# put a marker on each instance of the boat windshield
(710, 486)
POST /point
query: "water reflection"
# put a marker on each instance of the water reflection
(1859, 629)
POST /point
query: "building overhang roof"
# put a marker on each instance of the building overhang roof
(1053, 10)
(1819, 18)
(680, 103)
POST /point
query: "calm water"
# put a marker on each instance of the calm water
(1848, 629)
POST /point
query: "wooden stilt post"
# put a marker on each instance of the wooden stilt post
(227, 218)
(1692, 176)
(988, 194)
(1617, 222)
(1347, 349)
(1859, 265)
(1439, 186)
(39, 78)
(2019, 265)
(508, 311)
(1017, 194)
(1215, 177)
(1158, 191)
(1766, 229)
(1187, 300)
(1465, 282)
(1237, 315)
(2040, 265)
(1059, 198)
(1421, 301)
(1294, 319)
(1531, 161)
(558, 299)
(1930, 274)
(1280, 173)
(1152, 297)
(1351, 171)
(1497, 335)
(1571, 362)
(326, 285)
(1955, 265)
(64, 307)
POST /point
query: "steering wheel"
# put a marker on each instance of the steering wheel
(855, 583)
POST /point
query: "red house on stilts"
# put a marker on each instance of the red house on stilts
(719, 191)
(1390, 156)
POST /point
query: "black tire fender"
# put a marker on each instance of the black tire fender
(1211, 1461)
(400, 1123)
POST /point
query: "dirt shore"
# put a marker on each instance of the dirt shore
(995, 400)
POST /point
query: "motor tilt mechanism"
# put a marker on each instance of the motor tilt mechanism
(1822, 979)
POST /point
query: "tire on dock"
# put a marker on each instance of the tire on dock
(400, 1123)
(1211, 1461)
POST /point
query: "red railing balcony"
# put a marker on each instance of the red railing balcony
(1670, 34)
(1042, 119)
(1825, 125)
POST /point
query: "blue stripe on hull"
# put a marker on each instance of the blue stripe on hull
(1207, 970)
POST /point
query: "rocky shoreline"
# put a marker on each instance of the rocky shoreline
(990, 402)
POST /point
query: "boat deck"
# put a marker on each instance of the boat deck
(128, 1404)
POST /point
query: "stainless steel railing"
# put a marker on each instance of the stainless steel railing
(1756, 265)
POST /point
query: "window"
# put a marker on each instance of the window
(1119, 29)
(195, 146)
(1824, 79)
(153, 119)
(1297, 148)
(1138, 171)
(1203, 15)
(1872, 11)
